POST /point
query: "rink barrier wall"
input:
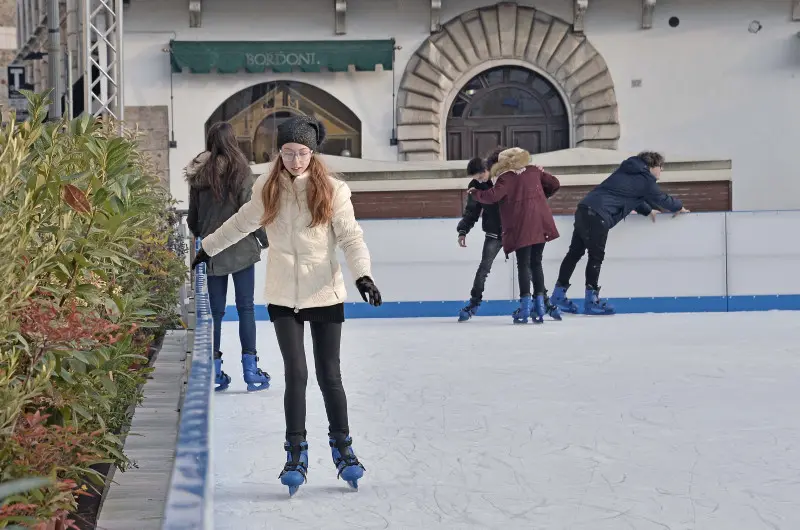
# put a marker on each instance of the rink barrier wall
(190, 496)
(698, 262)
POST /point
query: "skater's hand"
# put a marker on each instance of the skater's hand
(652, 215)
(682, 210)
(369, 292)
(462, 240)
(471, 190)
(201, 257)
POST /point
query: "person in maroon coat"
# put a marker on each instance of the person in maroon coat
(522, 190)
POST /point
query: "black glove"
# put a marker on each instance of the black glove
(367, 289)
(201, 257)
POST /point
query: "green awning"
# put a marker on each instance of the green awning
(227, 57)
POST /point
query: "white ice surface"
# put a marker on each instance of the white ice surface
(662, 422)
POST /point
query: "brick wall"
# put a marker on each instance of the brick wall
(153, 122)
(697, 196)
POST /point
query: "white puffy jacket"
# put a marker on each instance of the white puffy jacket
(302, 269)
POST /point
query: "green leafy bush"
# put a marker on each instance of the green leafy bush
(90, 268)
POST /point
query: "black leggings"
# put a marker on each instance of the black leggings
(326, 337)
(529, 268)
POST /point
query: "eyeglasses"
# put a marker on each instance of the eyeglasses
(290, 155)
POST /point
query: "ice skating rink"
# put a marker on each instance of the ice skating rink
(645, 422)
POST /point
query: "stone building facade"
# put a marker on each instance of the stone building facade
(8, 47)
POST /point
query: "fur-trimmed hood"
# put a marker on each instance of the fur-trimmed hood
(196, 178)
(514, 159)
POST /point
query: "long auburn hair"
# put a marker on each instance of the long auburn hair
(319, 192)
(227, 167)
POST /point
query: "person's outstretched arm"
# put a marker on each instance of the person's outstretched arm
(493, 194)
(655, 197)
(241, 224)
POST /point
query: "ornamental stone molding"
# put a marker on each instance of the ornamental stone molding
(504, 34)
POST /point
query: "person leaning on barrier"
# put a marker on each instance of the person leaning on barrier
(633, 187)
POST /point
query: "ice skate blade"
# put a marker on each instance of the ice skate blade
(353, 484)
(251, 387)
(293, 490)
(221, 388)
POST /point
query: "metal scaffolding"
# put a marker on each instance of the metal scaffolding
(103, 79)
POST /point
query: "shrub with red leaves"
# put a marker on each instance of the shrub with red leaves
(43, 322)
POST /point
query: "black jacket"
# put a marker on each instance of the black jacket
(630, 187)
(207, 214)
(473, 210)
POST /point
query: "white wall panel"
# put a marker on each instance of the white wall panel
(420, 260)
(763, 253)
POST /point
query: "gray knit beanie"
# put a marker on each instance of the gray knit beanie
(304, 130)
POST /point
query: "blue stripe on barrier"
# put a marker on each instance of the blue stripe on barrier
(189, 499)
(661, 304)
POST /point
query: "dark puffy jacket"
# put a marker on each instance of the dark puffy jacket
(630, 187)
(207, 214)
(522, 191)
(474, 209)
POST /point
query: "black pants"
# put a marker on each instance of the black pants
(326, 338)
(491, 247)
(591, 233)
(529, 268)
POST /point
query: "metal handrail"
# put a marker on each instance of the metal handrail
(190, 496)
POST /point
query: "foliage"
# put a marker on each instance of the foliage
(89, 279)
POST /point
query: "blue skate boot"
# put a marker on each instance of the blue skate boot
(521, 315)
(255, 378)
(551, 309)
(294, 472)
(538, 309)
(560, 300)
(348, 467)
(469, 311)
(221, 379)
(594, 305)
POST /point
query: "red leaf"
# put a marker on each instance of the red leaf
(76, 199)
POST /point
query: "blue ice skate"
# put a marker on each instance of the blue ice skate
(551, 309)
(255, 378)
(521, 315)
(468, 312)
(348, 467)
(221, 379)
(294, 472)
(560, 300)
(538, 309)
(594, 305)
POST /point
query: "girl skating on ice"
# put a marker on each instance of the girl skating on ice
(522, 191)
(491, 226)
(306, 214)
(220, 182)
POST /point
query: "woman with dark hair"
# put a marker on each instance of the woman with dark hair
(307, 213)
(220, 182)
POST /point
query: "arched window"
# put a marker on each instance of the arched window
(509, 106)
(256, 112)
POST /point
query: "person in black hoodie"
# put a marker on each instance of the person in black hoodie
(492, 243)
(632, 187)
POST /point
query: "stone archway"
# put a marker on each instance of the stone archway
(504, 34)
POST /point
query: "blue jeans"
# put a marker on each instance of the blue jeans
(244, 284)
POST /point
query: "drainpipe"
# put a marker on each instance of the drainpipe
(73, 51)
(53, 58)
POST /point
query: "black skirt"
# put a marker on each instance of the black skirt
(331, 313)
